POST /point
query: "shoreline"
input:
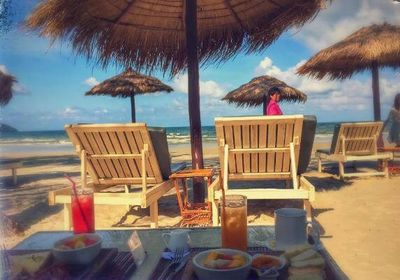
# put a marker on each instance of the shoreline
(179, 150)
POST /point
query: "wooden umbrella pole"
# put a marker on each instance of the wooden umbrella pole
(375, 91)
(194, 96)
(264, 112)
(133, 112)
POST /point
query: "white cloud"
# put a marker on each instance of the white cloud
(289, 76)
(70, 112)
(207, 88)
(348, 95)
(101, 111)
(3, 69)
(20, 88)
(91, 81)
(17, 87)
(343, 17)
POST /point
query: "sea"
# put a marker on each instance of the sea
(58, 141)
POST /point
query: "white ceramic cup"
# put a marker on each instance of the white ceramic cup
(291, 228)
(178, 238)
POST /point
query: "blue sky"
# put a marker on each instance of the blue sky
(52, 80)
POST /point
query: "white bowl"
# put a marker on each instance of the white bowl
(205, 273)
(79, 256)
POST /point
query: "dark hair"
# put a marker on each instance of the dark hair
(396, 103)
(273, 90)
(267, 97)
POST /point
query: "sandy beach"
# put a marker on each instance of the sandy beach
(358, 218)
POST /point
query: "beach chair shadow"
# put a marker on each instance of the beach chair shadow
(265, 148)
(32, 215)
(128, 155)
(354, 142)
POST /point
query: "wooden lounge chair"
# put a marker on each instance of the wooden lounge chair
(355, 142)
(13, 165)
(120, 154)
(263, 148)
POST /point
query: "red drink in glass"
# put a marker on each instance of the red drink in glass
(82, 211)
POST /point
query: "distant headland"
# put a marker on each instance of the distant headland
(7, 128)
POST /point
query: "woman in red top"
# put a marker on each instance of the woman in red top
(272, 106)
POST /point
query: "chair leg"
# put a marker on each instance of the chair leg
(127, 190)
(67, 216)
(385, 168)
(214, 213)
(154, 215)
(14, 175)
(308, 207)
(341, 170)
(319, 164)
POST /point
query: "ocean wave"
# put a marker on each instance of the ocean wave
(33, 141)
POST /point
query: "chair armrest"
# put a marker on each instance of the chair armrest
(307, 185)
(214, 186)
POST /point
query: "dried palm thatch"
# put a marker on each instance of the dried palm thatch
(6, 91)
(376, 44)
(368, 48)
(251, 94)
(148, 34)
(128, 84)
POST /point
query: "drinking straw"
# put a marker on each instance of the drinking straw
(78, 201)
(73, 185)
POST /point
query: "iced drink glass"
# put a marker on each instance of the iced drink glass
(82, 211)
(234, 222)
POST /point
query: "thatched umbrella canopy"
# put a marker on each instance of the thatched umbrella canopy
(366, 49)
(253, 93)
(6, 91)
(128, 84)
(171, 35)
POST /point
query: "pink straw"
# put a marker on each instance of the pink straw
(73, 184)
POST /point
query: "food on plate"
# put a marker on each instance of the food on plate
(308, 276)
(265, 262)
(304, 270)
(307, 254)
(217, 260)
(77, 242)
(28, 264)
(296, 250)
(305, 263)
(317, 261)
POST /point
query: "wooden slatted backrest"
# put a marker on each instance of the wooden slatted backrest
(259, 132)
(116, 139)
(360, 138)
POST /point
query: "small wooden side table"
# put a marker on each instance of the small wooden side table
(193, 214)
(393, 166)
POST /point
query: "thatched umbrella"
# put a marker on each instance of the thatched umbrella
(128, 84)
(254, 92)
(6, 91)
(366, 49)
(171, 35)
